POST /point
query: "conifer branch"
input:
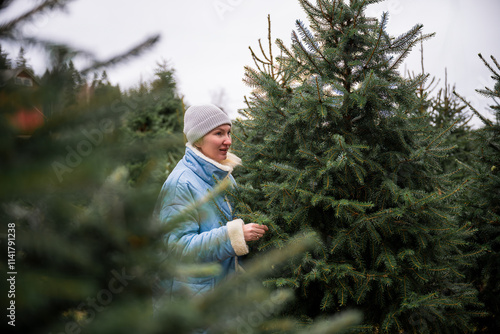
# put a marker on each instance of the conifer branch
(251, 77)
(255, 59)
(488, 65)
(311, 41)
(441, 134)
(484, 120)
(254, 56)
(329, 18)
(263, 53)
(401, 57)
(334, 5)
(247, 102)
(134, 52)
(423, 199)
(384, 18)
(468, 167)
(239, 139)
(268, 65)
(278, 109)
(270, 45)
(486, 92)
(456, 190)
(284, 49)
(317, 88)
(423, 70)
(268, 68)
(496, 63)
(306, 5)
(340, 14)
(358, 13)
(31, 14)
(306, 53)
(403, 39)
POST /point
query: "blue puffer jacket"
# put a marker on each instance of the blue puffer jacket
(210, 233)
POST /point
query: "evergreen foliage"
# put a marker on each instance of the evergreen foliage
(447, 111)
(83, 249)
(154, 112)
(482, 207)
(5, 62)
(21, 61)
(334, 141)
(63, 86)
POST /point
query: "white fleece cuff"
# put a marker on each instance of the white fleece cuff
(235, 231)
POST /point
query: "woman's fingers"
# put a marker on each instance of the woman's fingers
(260, 230)
(254, 231)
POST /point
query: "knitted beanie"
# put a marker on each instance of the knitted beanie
(201, 119)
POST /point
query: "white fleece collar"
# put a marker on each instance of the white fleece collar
(225, 165)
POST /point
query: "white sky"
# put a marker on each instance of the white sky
(206, 41)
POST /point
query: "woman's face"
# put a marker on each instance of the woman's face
(216, 143)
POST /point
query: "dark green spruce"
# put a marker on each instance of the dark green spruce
(333, 141)
(482, 200)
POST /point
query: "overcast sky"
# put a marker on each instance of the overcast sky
(206, 41)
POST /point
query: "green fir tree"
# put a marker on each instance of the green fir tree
(483, 202)
(334, 141)
(5, 62)
(154, 114)
(21, 60)
(447, 111)
(62, 83)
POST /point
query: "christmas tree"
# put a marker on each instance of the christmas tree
(21, 61)
(4, 60)
(447, 111)
(334, 141)
(482, 199)
(153, 112)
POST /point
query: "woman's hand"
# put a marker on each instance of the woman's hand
(253, 231)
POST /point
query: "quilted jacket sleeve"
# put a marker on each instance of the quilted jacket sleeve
(186, 239)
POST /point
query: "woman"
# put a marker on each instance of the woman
(210, 233)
